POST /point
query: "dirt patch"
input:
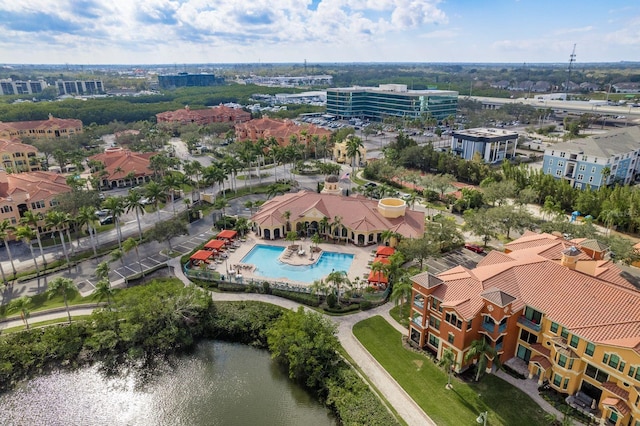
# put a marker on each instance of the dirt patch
(418, 363)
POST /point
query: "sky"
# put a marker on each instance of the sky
(275, 31)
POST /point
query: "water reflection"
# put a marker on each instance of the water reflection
(219, 384)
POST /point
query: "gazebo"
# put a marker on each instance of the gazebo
(385, 251)
(227, 235)
(378, 279)
(384, 260)
(200, 256)
(214, 245)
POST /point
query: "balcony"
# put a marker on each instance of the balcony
(529, 324)
(489, 326)
(502, 328)
(417, 320)
(418, 303)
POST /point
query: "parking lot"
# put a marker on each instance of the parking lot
(462, 257)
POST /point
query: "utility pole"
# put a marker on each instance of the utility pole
(572, 59)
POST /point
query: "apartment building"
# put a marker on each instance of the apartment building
(390, 100)
(21, 87)
(41, 129)
(281, 131)
(218, 114)
(123, 168)
(595, 161)
(491, 145)
(18, 157)
(80, 87)
(32, 191)
(555, 312)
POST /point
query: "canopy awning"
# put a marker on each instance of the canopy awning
(384, 260)
(378, 277)
(201, 255)
(227, 234)
(385, 251)
(214, 245)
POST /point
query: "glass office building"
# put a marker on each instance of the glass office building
(390, 100)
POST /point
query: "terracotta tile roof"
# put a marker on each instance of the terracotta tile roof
(119, 163)
(201, 255)
(282, 130)
(51, 123)
(541, 361)
(356, 213)
(426, 280)
(541, 349)
(594, 245)
(602, 311)
(13, 145)
(216, 114)
(614, 389)
(39, 185)
(619, 405)
(497, 297)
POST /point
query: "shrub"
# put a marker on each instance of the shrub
(304, 298)
(365, 305)
(332, 300)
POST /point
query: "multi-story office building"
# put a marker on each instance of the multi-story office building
(390, 100)
(552, 309)
(80, 87)
(18, 157)
(492, 145)
(597, 160)
(183, 79)
(19, 87)
(41, 129)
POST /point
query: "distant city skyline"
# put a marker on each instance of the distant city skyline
(319, 31)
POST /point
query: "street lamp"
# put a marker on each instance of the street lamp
(482, 418)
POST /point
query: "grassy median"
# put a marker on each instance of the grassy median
(425, 383)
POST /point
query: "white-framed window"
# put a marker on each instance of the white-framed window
(582, 168)
(590, 179)
(580, 177)
(593, 169)
(549, 171)
(584, 158)
(560, 163)
(551, 162)
(562, 154)
(558, 172)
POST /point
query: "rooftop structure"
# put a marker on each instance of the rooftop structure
(123, 167)
(390, 100)
(578, 328)
(41, 129)
(491, 145)
(357, 220)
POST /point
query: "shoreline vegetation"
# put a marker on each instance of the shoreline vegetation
(148, 323)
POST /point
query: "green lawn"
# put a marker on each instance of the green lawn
(425, 383)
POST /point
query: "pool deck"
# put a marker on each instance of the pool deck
(359, 267)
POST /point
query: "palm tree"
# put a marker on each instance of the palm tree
(485, 353)
(259, 146)
(102, 271)
(132, 243)
(26, 235)
(133, 201)
(155, 194)
(274, 147)
(247, 156)
(379, 270)
(172, 182)
(56, 220)
(222, 204)
(338, 278)
(287, 215)
(318, 287)
(22, 305)
(31, 219)
(87, 216)
(324, 225)
(103, 291)
(337, 225)
(62, 286)
(448, 361)
(316, 240)
(402, 287)
(115, 205)
(5, 227)
(354, 144)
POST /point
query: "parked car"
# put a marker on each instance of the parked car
(107, 220)
(370, 185)
(474, 247)
(144, 201)
(102, 212)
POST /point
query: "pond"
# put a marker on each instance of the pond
(218, 384)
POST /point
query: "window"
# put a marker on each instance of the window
(549, 170)
(557, 379)
(634, 372)
(595, 373)
(532, 315)
(434, 341)
(612, 360)
(570, 363)
(453, 319)
(554, 327)
(551, 162)
(6, 209)
(580, 177)
(565, 384)
(528, 337)
(469, 324)
(562, 360)
(593, 169)
(436, 305)
(582, 167)
(584, 158)
(434, 322)
(451, 337)
(574, 341)
(560, 163)
(562, 154)
(590, 179)
(558, 172)
(590, 349)
(523, 353)
(37, 205)
(564, 332)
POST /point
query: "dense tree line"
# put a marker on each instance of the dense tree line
(143, 325)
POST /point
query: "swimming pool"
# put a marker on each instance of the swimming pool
(265, 259)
